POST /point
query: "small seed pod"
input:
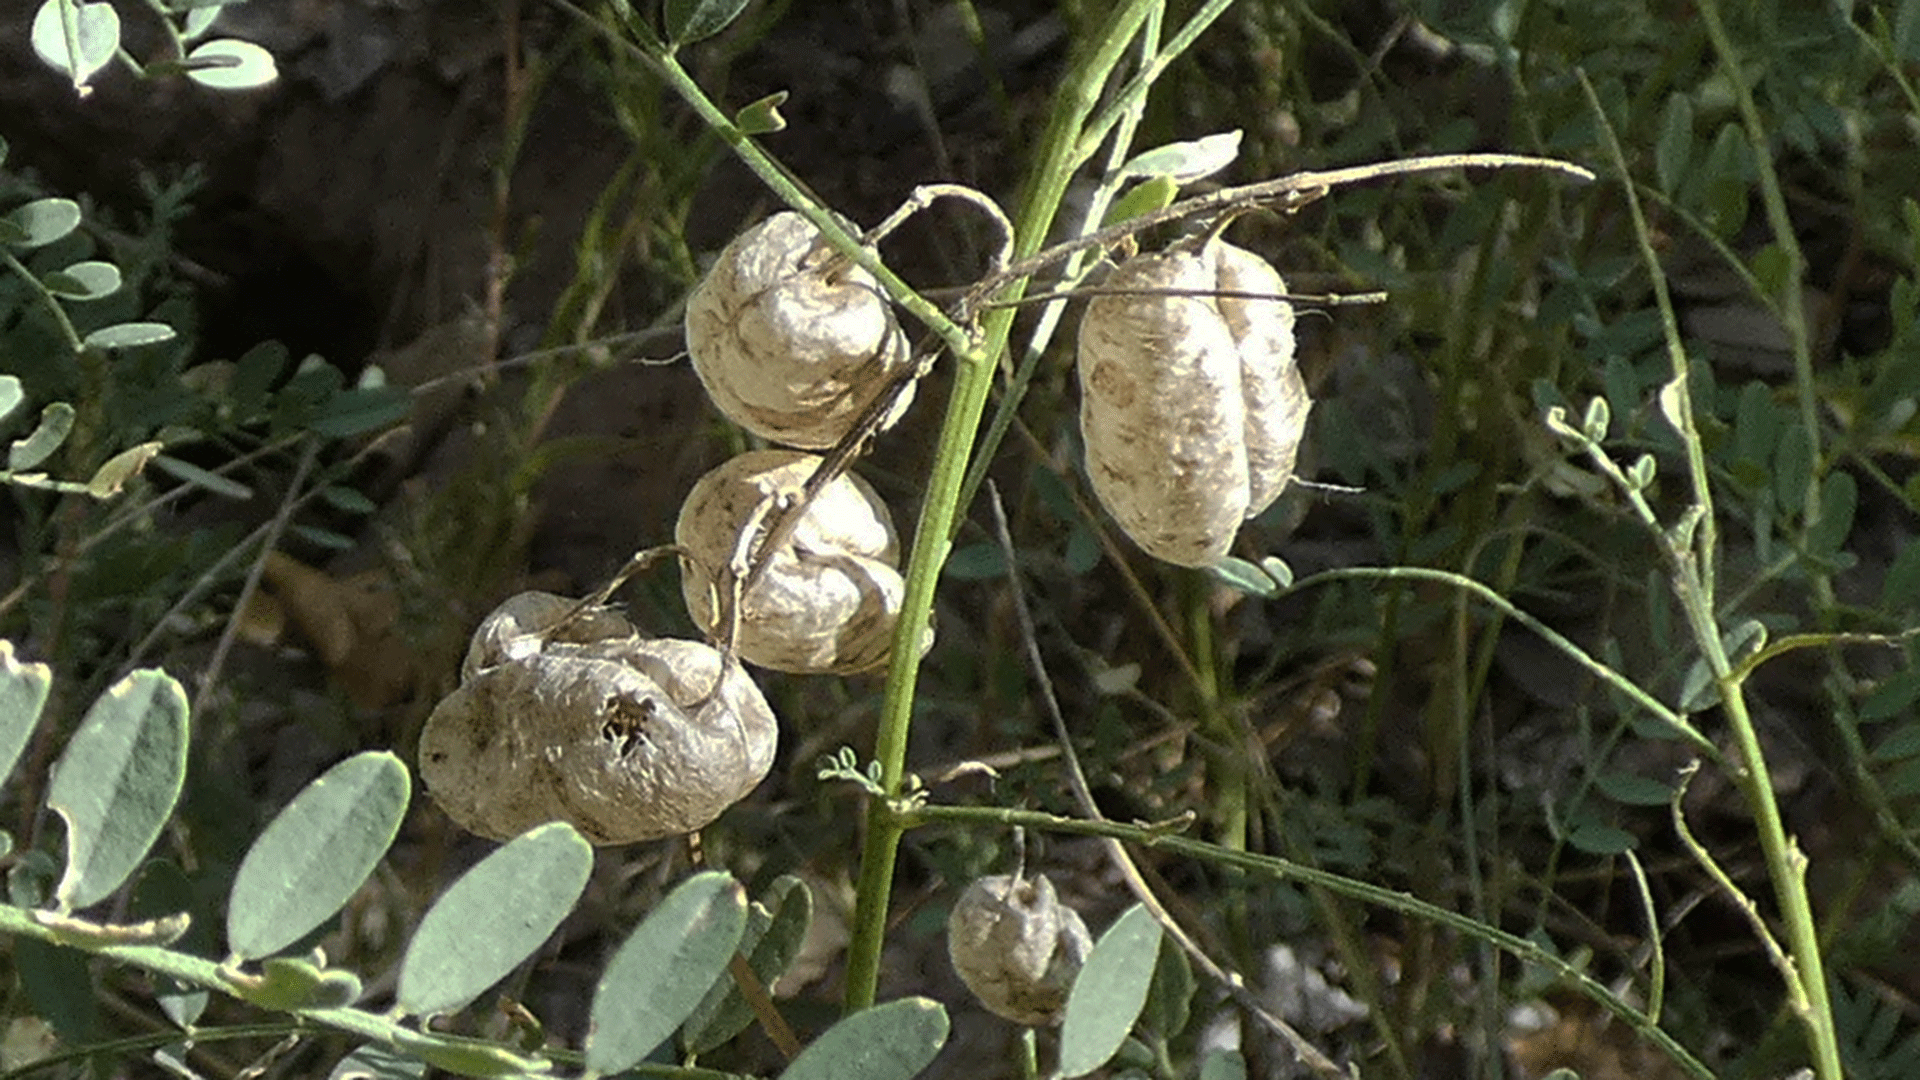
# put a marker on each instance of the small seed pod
(829, 596)
(626, 738)
(792, 342)
(1191, 407)
(1017, 947)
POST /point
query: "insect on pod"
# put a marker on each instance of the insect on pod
(1017, 947)
(585, 721)
(1191, 407)
(830, 594)
(792, 342)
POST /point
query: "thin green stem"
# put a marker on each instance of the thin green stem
(47, 300)
(1690, 552)
(1287, 870)
(932, 539)
(1676, 397)
(1789, 306)
(655, 55)
(1673, 720)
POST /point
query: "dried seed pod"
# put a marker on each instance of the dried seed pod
(792, 342)
(829, 596)
(525, 623)
(1191, 407)
(624, 737)
(1017, 947)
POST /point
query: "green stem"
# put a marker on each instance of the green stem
(1287, 870)
(1789, 306)
(1691, 556)
(47, 300)
(940, 509)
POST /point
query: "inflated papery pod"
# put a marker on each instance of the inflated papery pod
(829, 596)
(1191, 406)
(585, 721)
(793, 342)
(1017, 947)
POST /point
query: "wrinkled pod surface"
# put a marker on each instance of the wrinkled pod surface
(626, 738)
(1191, 406)
(1017, 947)
(792, 342)
(830, 594)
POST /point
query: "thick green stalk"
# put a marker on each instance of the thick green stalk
(1053, 169)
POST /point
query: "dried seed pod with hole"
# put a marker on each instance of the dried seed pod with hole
(830, 594)
(1017, 947)
(1191, 407)
(624, 737)
(793, 342)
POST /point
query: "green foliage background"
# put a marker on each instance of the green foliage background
(1401, 733)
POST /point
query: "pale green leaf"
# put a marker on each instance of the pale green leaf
(495, 916)
(316, 853)
(1185, 162)
(1109, 992)
(663, 969)
(776, 928)
(127, 335)
(692, 20)
(56, 421)
(887, 1042)
(41, 222)
(76, 39)
(242, 65)
(117, 782)
(23, 694)
(90, 280)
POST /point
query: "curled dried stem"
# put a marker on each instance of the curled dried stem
(1286, 194)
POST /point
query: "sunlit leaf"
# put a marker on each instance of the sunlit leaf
(40, 222)
(495, 916)
(315, 854)
(663, 969)
(242, 65)
(117, 781)
(95, 34)
(1185, 162)
(128, 335)
(887, 1042)
(1110, 991)
(89, 280)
